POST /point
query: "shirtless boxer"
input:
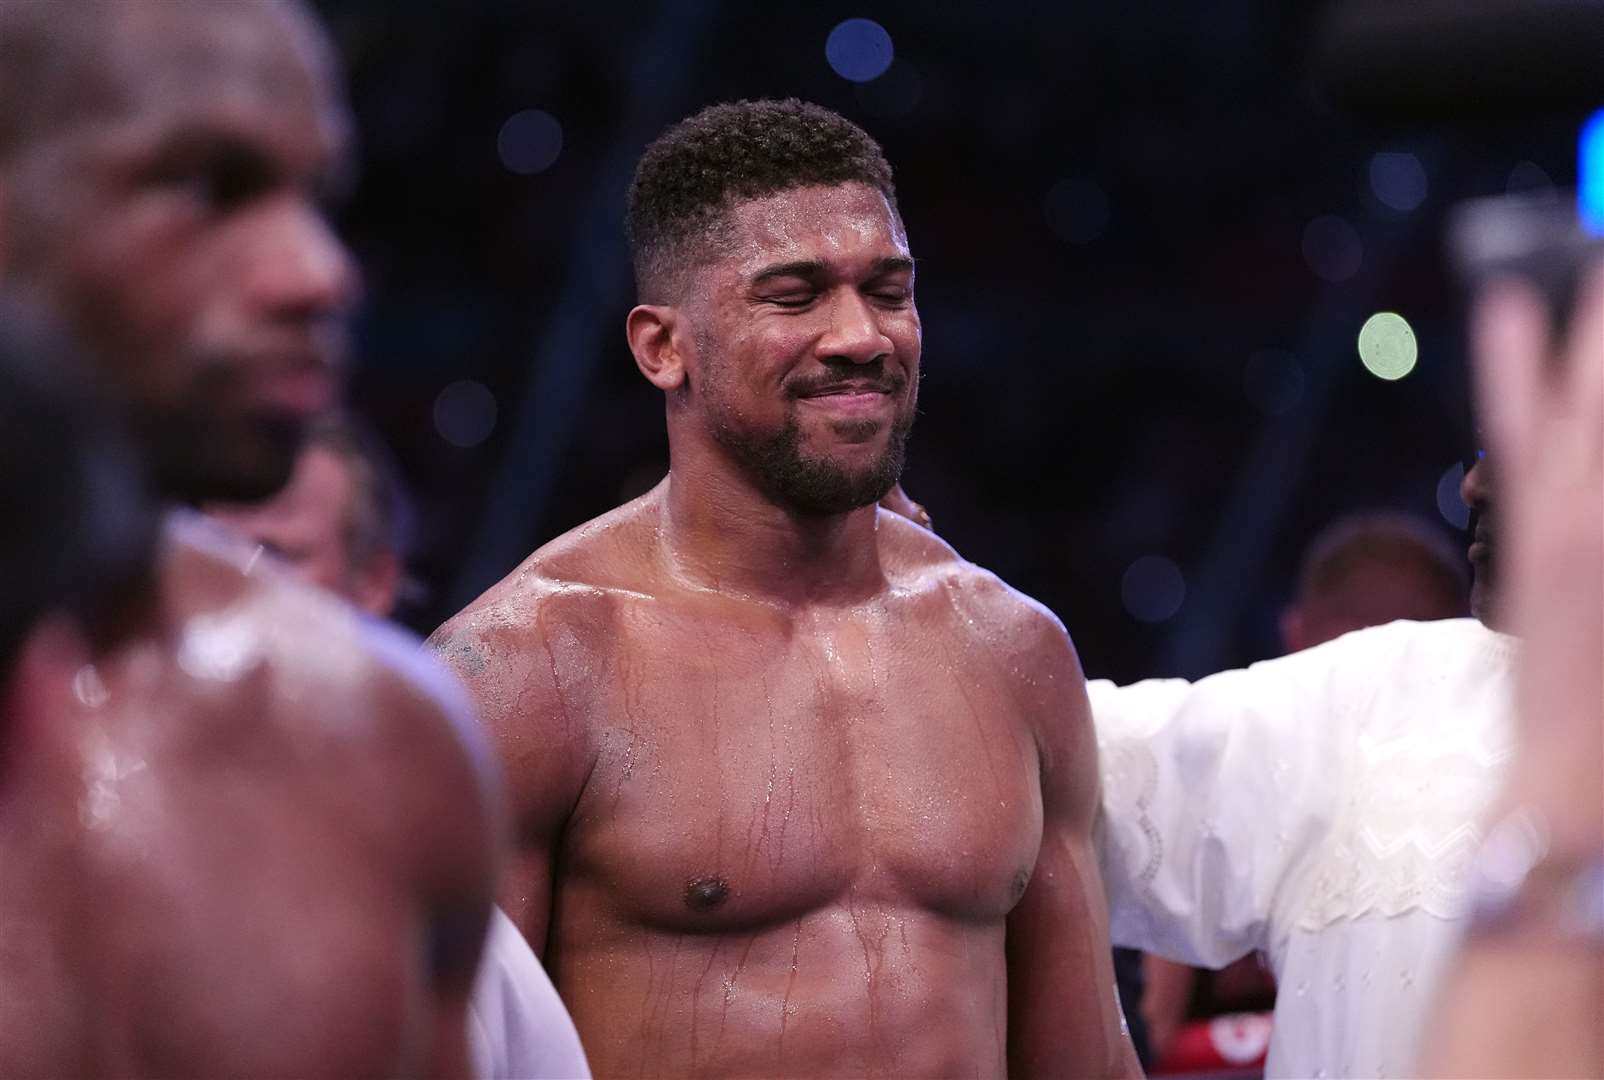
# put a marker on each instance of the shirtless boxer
(797, 791)
(278, 860)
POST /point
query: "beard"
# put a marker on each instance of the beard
(198, 455)
(810, 484)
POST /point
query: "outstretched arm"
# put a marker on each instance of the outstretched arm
(1064, 1016)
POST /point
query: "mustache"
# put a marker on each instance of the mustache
(867, 379)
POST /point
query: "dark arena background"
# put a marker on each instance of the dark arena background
(1148, 244)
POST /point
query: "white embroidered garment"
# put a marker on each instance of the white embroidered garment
(1323, 808)
(518, 1028)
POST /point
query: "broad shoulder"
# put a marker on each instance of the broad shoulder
(925, 568)
(557, 608)
(238, 627)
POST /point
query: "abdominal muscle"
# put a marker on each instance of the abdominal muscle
(860, 987)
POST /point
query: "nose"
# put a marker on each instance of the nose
(302, 270)
(854, 334)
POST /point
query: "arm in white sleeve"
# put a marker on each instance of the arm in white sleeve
(518, 1028)
(1219, 795)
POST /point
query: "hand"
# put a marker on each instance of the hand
(1542, 405)
(1523, 1000)
(896, 500)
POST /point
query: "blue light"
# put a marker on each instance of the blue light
(1590, 184)
(859, 50)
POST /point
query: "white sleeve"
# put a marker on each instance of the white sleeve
(518, 1028)
(1217, 798)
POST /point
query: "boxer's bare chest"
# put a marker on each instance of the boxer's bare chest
(753, 766)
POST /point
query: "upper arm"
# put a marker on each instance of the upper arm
(1216, 798)
(442, 796)
(512, 679)
(1063, 1010)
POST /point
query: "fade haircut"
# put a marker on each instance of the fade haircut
(693, 175)
(1389, 538)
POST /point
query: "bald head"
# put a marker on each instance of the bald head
(64, 63)
(162, 164)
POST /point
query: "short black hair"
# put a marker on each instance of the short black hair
(697, 170)
(78, 526)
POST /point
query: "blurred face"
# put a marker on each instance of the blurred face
(1477, 491)
(304, 525)
(179, 232)
(806, 364)
(1373, 593)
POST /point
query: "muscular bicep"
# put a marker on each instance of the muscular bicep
(1063, 1010)
(539, 749)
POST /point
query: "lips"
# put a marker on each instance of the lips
(304, 391)
(851, 401)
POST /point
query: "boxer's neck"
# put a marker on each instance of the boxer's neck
(719, 532)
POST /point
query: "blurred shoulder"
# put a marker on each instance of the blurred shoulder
(233, 614)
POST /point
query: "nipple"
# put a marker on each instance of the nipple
(706, 893)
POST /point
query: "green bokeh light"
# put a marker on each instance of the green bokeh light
(1387, 346)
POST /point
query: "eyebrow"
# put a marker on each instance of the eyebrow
(813, 268)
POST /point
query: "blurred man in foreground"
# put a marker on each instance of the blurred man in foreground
(76, 546)
(797, 791)
(282, 851)
(338, 525)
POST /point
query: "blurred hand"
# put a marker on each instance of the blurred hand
(1542, 404)
(897, 501)
(1523, 999)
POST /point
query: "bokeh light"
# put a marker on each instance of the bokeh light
(1530, 179)
(1398, 180)
(1152, 589)
(1449, 504)
(1273, 381)
(1590, 174)
(1332, 248)
(465, 413)
(859, 50)
(1387, 346)
(895, 94)
(1076, 210)
(530, 142)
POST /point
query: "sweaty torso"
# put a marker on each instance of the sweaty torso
(228, 872)
(803, 826)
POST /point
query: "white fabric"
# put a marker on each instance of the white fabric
(1322, 808)
(518, 1028)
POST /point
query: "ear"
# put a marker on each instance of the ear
(376, 584)
(650, 329)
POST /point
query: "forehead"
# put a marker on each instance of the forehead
(836, 225)
(259, 68)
